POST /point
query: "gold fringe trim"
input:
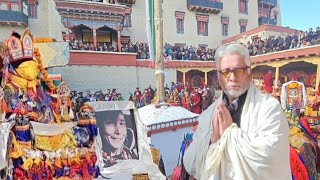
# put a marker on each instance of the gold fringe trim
(43, 71)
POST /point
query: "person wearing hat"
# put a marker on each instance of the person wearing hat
(20, 65)
(117, 136)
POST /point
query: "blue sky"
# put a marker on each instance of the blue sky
(299, 14)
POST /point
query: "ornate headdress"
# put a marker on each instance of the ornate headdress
(21, 47)
(86, 112)
(87, 119)
(63, 90)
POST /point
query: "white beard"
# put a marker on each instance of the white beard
(234, 94)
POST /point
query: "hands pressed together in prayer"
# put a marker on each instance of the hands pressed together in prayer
(221, 120)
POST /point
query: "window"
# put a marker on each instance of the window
(202, 24)
(3, 6)
(242, 29)
(203, 28)
(225, 29)
(180, 26)
(243, 25)
(243, 6)
(127, 20)
(180, 22)
(14, 7)
(33, 10)
(225, 25)
(103, 36)
(87, 36)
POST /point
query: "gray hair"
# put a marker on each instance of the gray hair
(234, 48)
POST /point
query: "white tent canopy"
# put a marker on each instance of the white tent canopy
(150, 115)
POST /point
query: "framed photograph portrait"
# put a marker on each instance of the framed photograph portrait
(122, 142)
(118, 132)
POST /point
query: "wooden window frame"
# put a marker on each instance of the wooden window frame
(202, 24)
(225, 29)
(246, 7)
(179, 21)
(244, 27)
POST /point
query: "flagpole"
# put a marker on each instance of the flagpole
(159, 51)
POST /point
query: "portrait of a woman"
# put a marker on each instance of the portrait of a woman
(117, 132)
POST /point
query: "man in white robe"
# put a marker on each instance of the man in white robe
(251, 144)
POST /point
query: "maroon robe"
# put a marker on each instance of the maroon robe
(268, 82)
(196, 101)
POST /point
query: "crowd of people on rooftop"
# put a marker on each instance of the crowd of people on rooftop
(78, 45)
(183, 52)
(274, 44)
(257, 46)
(171, 52)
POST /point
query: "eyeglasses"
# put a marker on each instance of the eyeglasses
(237, 72)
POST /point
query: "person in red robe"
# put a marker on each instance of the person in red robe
(267, 78)
(189, 88)
(186, 101)
(196, 102)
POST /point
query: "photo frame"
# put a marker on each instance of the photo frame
(142, 162)
(117, 130)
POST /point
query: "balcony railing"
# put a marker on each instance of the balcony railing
(266, 20)
(212, 6)
(14, 18)
(129, 59)
(271, 2)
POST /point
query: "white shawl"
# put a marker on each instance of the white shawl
(5, 128)
(257, 150)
